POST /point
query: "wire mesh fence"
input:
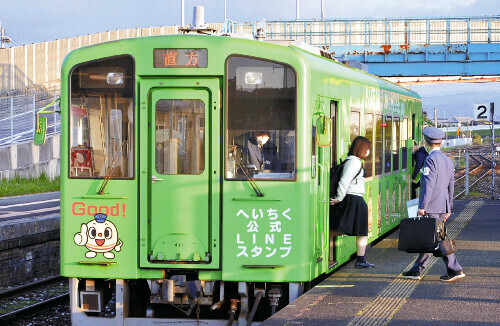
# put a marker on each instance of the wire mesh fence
(18, 117)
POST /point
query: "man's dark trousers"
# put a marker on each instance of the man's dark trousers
(452, 265)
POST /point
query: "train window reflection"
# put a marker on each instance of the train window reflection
(102, 120)
(261, 123)
(180, 137)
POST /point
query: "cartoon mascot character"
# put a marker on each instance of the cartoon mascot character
(99, 235)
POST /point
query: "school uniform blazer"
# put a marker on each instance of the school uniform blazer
(436, 192)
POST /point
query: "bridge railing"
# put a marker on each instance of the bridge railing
(370, 32)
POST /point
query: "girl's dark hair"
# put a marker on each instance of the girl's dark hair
(359, 147)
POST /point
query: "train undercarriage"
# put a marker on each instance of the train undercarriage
(177, 299)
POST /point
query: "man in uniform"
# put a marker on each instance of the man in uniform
(436, 200)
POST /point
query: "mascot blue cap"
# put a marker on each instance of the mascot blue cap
(100, 218)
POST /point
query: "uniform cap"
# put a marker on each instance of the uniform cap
(433, 135)
(100, 218)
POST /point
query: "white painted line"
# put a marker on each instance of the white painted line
(41, 210)
(30, 203)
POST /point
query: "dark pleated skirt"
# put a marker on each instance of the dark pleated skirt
(350, 216)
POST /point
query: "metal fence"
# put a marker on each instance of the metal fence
(18, 117)
(369, 32)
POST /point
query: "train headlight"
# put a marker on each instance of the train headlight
(253, 78)
(115, 78)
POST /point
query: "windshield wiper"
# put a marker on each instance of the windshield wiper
(110, 172)
(248, 176)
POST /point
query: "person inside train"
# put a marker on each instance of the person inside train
(419, 153)
(350, 213)
(261, 154)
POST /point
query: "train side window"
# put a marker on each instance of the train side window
(369, 134)
(355, 122)
(379, 153)
(333, 115)
(261, 108)
(413, 126)
(101, 119)
(180, 137)
(404, 149)
(387, 144)
(396, 143)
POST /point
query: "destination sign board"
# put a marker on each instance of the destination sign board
(180, 58)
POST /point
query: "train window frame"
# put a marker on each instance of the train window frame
(226, 117)
(372, 143)
(133, 125)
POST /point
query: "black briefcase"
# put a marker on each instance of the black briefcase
(420, 235)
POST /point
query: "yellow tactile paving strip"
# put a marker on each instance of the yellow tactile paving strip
(394, 296)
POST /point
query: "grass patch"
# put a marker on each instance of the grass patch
(22, 186)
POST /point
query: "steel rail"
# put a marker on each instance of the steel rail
(17, 289)
(37, 307)
(481, 164)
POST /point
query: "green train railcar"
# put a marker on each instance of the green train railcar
(195, 168)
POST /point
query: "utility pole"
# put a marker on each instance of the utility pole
(225, 10)
(322, 10)
(3, 38)
(297, 16)
(435, 119)
(182, 13)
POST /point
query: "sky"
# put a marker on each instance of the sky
(33, 21)
(457, 99)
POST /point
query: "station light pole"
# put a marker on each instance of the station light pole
(182, 13)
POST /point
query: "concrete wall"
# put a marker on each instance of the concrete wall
(28, 160)
(29, 249)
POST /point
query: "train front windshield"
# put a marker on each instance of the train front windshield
(261, 120)
(102, 119)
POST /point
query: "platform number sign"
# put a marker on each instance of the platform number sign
(482, 111)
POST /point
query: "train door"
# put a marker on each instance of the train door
(321, 152)
(179, 223)
(332, 254)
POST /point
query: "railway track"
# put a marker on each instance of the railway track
(27, 300)
(476, 177)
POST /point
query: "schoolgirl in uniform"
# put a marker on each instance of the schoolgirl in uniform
(348, 210)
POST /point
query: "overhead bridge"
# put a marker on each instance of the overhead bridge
(451, 46)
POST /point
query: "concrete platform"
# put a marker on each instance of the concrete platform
(381, 296)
